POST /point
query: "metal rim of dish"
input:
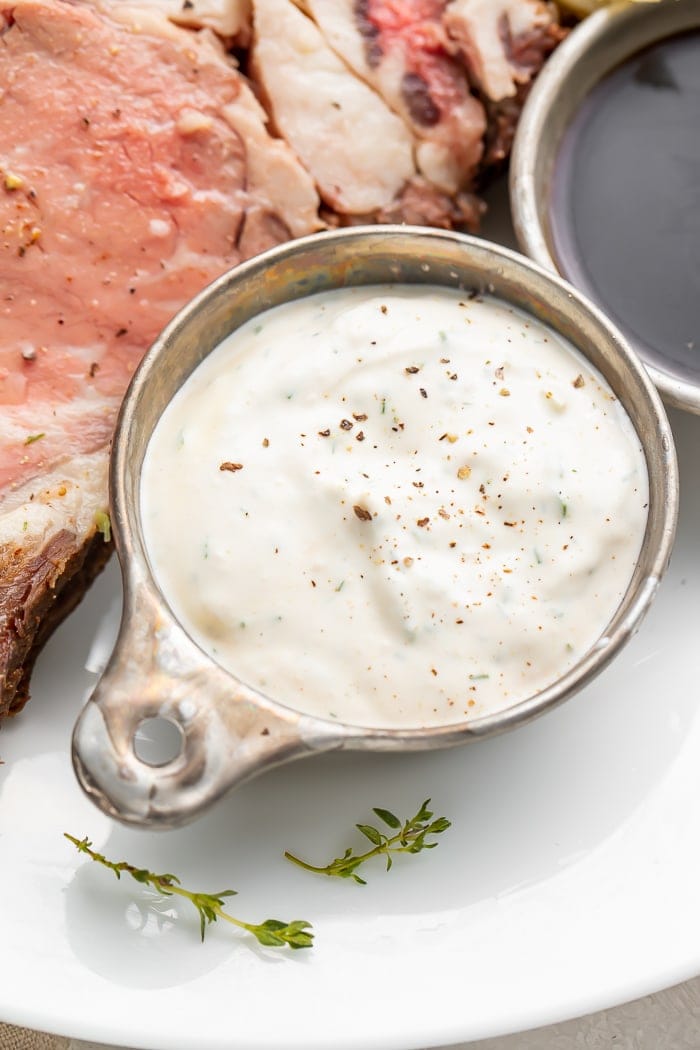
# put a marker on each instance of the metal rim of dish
(592, 50)
(229, 731)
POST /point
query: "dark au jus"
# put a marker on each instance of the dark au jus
(625, 209)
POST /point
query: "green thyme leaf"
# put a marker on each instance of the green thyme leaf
(387, 817)
(34, 437)
(370, 833)
(410, 837)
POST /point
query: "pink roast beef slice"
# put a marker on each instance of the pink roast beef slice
(134, 168)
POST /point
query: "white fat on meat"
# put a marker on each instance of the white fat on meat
(449, 149)
(359, 153)
(485, 32)
(69, 496)
(274, 173)
(227, 18)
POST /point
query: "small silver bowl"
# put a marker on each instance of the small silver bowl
(595, 48)
(228, 731)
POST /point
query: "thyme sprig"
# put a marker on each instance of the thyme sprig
(409, 837)
(273, 933)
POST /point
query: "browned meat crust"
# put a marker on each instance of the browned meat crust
(36, 594)
(421, 204)
(532, 51)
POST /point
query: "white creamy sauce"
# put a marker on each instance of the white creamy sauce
(395, 506)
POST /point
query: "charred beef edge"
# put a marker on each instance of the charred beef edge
(38, 594)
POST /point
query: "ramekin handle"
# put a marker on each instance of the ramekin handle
(228, 732)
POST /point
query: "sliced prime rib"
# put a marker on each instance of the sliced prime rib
(135, 167)
(136, 164)
(456, 73)
(402, 51)
(358, 150)
(504, 44)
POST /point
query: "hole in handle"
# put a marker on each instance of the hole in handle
(158, 741)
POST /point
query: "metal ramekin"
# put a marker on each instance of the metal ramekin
(229, 731)
(594, 48)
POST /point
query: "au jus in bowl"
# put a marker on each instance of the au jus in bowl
(606, 179)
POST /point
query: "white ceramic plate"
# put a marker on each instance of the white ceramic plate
(568, 882)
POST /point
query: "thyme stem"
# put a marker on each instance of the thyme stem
(273, 933)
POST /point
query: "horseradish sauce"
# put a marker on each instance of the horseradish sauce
(625, 206)
(395, 506)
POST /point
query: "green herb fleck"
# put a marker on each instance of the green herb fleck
(564, 507)
(103, 525)
(383, 405)
(34, 437)
(538, 556)
(410, 837)
(340, 586)
(273, 933)
(477, 677)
